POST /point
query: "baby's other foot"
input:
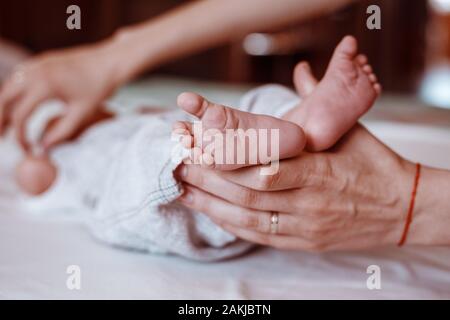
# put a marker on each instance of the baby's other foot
(332, 106)
(228, 139)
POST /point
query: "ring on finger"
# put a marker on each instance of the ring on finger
(274, 222)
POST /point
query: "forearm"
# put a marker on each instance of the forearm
(204, 24)
(431, 219)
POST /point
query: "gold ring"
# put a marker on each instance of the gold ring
(274, 221)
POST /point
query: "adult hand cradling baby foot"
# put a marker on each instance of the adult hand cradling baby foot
(358, 194)
(354, 196)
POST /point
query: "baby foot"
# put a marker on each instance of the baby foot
(35, 174)
(332, 106)
(228, 139)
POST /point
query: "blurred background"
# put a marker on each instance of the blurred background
(410, 53)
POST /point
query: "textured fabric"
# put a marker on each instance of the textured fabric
(120, 174)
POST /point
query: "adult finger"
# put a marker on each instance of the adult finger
(8, 93)
(22, 111)
(225, 213)
(200, 201)
(314, 208)
(312, 222)
(306, 170)
(211, 182)
(66, 127)
(275, 241)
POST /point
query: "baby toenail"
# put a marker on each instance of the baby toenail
(186, 141)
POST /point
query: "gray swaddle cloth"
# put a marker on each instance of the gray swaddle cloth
(120, 174)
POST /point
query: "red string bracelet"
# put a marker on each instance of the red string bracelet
(411, 206)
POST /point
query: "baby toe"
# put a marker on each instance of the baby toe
(361, 59)
(373, 78)
(377, 87)
(367, 68)
(187, 141)
(192, 103)
(182, 127)
(207, 160)
(195, 156)
(182, 132)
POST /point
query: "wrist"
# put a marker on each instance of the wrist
(137, 48)
(112, 53)
(431, 217)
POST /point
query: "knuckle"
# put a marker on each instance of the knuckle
(324, 170)
(248, 198)
(249, 221)
(317, 171)
(304, 174)
(231, 121)
(315, 231)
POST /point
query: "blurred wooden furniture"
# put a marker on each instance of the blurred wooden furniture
(396, 51)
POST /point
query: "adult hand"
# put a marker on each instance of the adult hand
(81, 77)
(11, 54)
(352, 197)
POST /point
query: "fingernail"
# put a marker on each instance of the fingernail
(207, 160)
(186, 141)
(187, 197)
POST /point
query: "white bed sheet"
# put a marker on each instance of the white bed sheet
(36, 251)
